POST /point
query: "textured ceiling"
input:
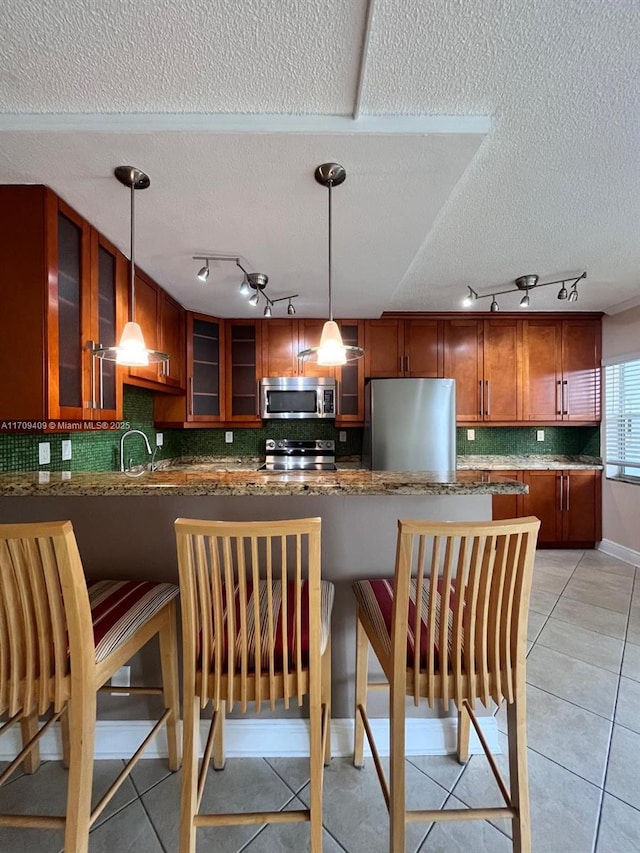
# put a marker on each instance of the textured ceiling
(482, 141)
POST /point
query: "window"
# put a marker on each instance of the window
(622, 419)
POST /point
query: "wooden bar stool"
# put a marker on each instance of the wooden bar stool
(60, 642)
(451, 625)
(255, 625)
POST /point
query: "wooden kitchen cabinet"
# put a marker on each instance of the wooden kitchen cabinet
(203, 402)
(561, 370)
(484, 357)
(243, 370)
(403, 347)
(63, 286)
(568, 504)
(350, 377)
(283, 339)
(162, 321)
(505, 506)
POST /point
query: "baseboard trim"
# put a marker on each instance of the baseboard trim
(275, 738)
(620, 552)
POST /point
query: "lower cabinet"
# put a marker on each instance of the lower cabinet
(568, 504)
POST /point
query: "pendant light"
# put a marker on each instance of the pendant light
(332, 351)
(131, 351)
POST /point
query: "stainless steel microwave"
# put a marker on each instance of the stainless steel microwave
(297, 397)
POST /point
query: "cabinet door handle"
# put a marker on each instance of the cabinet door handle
(91, 345)
(565, 397)
(488, 405)
(567, 498)
(191, 395)
(561, 492)
(101, 382)
(558, 397)
(406, 363)
(481, 398)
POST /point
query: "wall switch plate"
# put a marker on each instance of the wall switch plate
(66, 449)
(44, 453)
(471, 435)
(539, 435)
(121, 678)
(159, 439)
(228, 436)
(342, 435)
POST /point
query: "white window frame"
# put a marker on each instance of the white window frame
(621, 463)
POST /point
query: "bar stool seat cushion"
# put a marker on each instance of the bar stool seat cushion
(375, 597)
(120, 608)
(327, 591)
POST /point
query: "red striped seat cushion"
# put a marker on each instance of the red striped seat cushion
(327, 591)
(375, 598)
(120, 608)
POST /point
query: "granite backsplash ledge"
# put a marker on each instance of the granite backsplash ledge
(100, 451)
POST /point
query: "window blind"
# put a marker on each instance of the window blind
(622, 418)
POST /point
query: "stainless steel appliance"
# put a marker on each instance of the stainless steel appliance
(410, 425)
(297, 397)
(286, 454)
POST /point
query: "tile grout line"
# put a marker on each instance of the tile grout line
(615, 708)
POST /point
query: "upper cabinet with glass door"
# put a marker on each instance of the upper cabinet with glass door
(63, 287)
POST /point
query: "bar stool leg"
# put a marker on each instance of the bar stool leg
(82, 716)
(362, 664)
(518, 776)
(28, 730)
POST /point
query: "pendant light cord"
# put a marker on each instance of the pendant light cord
(132, 285)
(330, 184)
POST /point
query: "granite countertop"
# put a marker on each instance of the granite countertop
(187, 481)
(542, 462)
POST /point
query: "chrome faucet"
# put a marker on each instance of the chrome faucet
(123, 467)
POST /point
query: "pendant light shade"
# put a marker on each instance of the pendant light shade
(132, 350)
(332, 351)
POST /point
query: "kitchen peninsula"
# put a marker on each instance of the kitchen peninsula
(124, 524)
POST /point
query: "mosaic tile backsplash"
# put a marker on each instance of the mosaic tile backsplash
(101, 451)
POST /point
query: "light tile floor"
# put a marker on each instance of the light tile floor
(584, 753)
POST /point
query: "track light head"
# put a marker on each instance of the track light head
(494, 305)
(203, 273)
(525, 301)
(253, 300)
(573, 295)
(562, 293)
(291, 309)
(267, 310)
(245, 288)
(470, 298)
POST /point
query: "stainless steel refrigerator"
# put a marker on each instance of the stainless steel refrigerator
(410, 425)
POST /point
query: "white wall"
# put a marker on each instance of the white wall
(621, 501)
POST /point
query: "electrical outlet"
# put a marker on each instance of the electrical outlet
(471, 435)
(342, 436)
(64, 475)
(66, 450)
(44, 476)
(228, 436)
(539, 435)
(44, 453)
(159, 439)
(121, 678)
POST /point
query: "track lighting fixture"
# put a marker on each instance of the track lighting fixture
(291, 308)
(252, 282)
(470, 297)
(332, 351)
(526, 283)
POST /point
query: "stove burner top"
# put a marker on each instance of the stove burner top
(287, 454)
